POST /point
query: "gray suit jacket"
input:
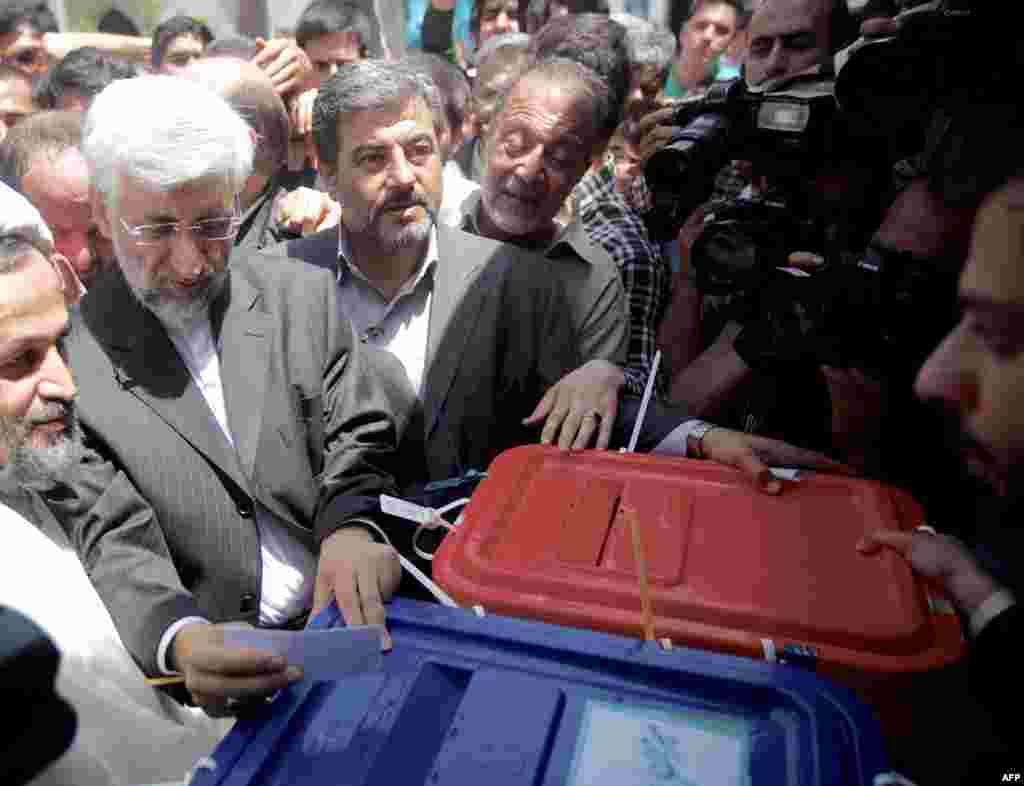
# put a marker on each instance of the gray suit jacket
(311, 414)
(500, 335)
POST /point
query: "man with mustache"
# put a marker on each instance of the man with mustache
(482, 328)
(234, 397)
(41, 577)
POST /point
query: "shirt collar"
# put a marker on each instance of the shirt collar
(346, 268)
(568, 237)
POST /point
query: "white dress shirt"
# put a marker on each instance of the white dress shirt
(128, 732)
(401, 325)
(289, 569)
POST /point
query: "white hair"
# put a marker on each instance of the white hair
(164, 131)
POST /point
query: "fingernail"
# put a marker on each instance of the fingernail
(294, 674)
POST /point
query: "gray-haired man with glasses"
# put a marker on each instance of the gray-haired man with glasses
(233, 397)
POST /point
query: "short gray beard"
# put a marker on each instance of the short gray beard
(410, 235)
(39, 466)
(174, 315)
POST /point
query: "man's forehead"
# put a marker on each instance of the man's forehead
(31, 290)
(995, 266)
(538, 95)
(346, 44)
(782, 17)
(397, 121)
(68, 167)
(185, 41)
(714, 9)
(141, 197)
(497, 5)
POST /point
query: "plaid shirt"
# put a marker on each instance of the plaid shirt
(612, 224)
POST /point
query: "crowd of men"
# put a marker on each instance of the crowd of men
(247, 287)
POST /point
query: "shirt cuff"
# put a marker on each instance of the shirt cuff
(370, 525)
(168, 637)
(994, 605)
(675, 443)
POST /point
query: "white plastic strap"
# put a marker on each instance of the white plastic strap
(425, 518)
(892, 779)
(442, 597)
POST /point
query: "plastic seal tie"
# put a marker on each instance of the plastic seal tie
(442, 597)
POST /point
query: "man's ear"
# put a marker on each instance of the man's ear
(100, 214)
(329, 180)
(70, 284)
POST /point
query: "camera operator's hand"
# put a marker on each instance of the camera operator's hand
(942, 559)
(655, 131)
(753, 454)
(879, 27)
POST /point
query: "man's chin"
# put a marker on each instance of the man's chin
(983, 465)
(35, 464)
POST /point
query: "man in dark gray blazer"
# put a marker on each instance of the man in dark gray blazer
(235, 400)
(483, 329)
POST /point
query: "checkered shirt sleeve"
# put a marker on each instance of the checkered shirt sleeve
(611, 223)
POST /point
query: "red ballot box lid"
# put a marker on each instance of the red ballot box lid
(730, 568)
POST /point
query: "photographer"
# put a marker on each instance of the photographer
(788, 38)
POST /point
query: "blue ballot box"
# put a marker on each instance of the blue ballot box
(463, 700)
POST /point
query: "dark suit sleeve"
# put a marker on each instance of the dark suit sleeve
(120, 543)
(993, 661)
(366, 398)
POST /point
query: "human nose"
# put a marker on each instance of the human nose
(946, 374)
(401, 171)
(531, 164)
(57, 382)
(505, 22)
(187, 260)
(777, 62)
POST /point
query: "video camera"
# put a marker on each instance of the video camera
(879, 107)
(784, 131)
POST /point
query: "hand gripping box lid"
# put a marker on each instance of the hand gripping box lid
(463, 701)
(730, 568)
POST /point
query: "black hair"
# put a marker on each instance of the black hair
(86, 71)
(593, 40)
(682, 12)
(174, 27)
(538, 12)
(450, 81)
(237, 46)
(36, 15)
(324, 17)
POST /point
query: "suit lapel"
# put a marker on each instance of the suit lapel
(148, 366)
(247, 331)
(445, 347)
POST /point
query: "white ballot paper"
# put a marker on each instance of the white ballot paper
(321, 654)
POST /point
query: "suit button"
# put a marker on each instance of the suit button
(247, 604)
(245, 509)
